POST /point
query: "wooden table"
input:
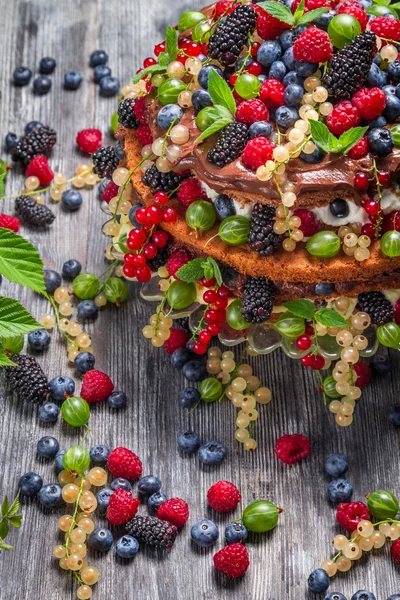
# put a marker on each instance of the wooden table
(281, 561)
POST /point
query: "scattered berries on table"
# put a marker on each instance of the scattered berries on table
(124, 463)
(89, 140)
(211, 453)
(340, 491)
(127, 547)
(189, 441)
(32, 213)
(175, 511)
(9, 222)
(60, 387)
(236, 533)
(223, 496)
(150, 484)
(349, 514)
(30, 484)
(48, 412)
(122, 507)
(39, 167)
(96, 386)
(233, 560)
(121, 482)
(336, 465)
(27, 379)
(177, 339)
(318, 581)
(72, 80)
(101, 539)
(152, 531)
(39, 141)
(117, 399)
(204, 533)
(99, 455)
(291, 449)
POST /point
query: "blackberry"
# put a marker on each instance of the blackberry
(230, 144)
(348, 70)
(152, 531)
(33, 213)
(38, 141)
(376, 306)
(27, 379)
(232, 34)
(161, 182)
(105, 161)
(258, 299)
(159, 260)
(262, 237)
(126, 116)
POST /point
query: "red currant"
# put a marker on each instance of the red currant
(154, 214)
(254, 68)
(205, 337)
(303, 342)
(129, 271)
(160, 239)
(255, 48)
(143, 273)
(140, 216)
(368, 229)
(149, 62)
(214, 328)
(371, 207)
(383, 177)
(307, 360)
(319, 362)
(208, 283)
(221, 303)
(233, 78)
(224, 292)
(199, 348)
(190, 48)
(361, 181)
(159, 48)
(169, 215)
(129, 258)
(204, 48)
(150, 250)
(161, 198)
(309, 329)
(211, 315)
(209, 296)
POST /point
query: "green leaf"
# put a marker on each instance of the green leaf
(300, 11)
(15, 506)
(329, 143)
(371, 10)
(396, 6)
(382, 2)
(4, 528)
(5, 507)
(349, 138)
(221, 112)
(149, 71)
(2, 180)
(330, 318)
(15, 319)
(312, 15)
(208, 271)
(220, 92)
(321, 135)
(216, 126)
(279, 11)
(171, 43)
(20, 261)
(164, 59)
(4, 546)
(216, 269)
(4, 360)
(192, 271)
(301, 308)
(16, 521)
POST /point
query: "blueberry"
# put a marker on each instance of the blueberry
(201, 99)
(47, 65)
(305, 69)
(323, 289)
(48, 412)
(149, 484)
(180, 357)
(31, 126)
(378, 122)
(363, 595)
(322, 22)
(292, 77)
(365, 3)
(47, 447)
(380, 141)
(288, 60)
(381, 365)
(87, 309)
(72, 80)
(335, 596)
(194, 370)
(99, 455)
(224, 206)
(389, 89)
(268, 53)
(11, 140)
(170, 113)
(39, 339)
(392, 108)
(189, 441)
(127, 546)
(84, 362)
(397, 91)
(103, 498)
(318, 581)
(211, 453)
(286, 116)
(204, 533)
(393, 71)
(205, 73)
(117, 399)
(72, 199)
(189, 397)
(71, 268)
(376, 77)
(121, 482)
(100, 539)
(293, 94)
(336, 465)
(52, 280)
(277, 70)
(315, 157)
(262, 78)
(132, 213)
(41, 85)
(109, 86)
(30, 484)
(61, 385)
(101, 71)
(260, 129)
(243, 63)
(394, 415)
(22, 76)
(50, 496)
(339, 208)
(340, 490)
(235, 533)
(58, 461)
(119, 151)
(287, 39)
(98, 57)
(155, 500)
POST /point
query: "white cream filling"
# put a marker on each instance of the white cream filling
(390, 201)
(244, 210)
(356, 215)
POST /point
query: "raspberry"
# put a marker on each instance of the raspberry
(313, 45)
(290, 449)
(251, 111)
(360, 150)
(395, 551)
(386, 27)
(189, 191)
(9, 222)
(344, 116)
(140, 109)
(124, 463)
(349, 514)
(143, 135)
(177, 260)
(175, 511)
(309, 222)
(39, 167)
(96, 386)
(233, 560)
(349, 7)
(268, 27)
(363, 371)
(223, 496)
(257, 152)
(177, 339)
(122, 507)
(272, 93)
(369, 103)
(110, 191)
(311, 5)
(89, 140)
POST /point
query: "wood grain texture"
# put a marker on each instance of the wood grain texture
(281, 561)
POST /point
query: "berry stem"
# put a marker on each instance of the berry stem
(379, 192)
(46, 189)
(57, 316)
(72, 525)
(127, 180)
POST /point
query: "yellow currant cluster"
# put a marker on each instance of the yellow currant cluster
(354, 244)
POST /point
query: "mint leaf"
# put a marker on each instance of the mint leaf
(301, 308)
(20, 261)
(4, 360)
(216, 126)
(349, 138)
(4, 546)
(192, 271)
(221, 112)
(15, 319)
(382, 2)
(2, 180)
(15, 506)
(149, 70)
(300, 11)
(16, 521)
(220, 92)
(396, 6)
(312, 15)
(329, 143)
(164, 59)
(208, 271)
(171, 43)
(5, 507)
(216, 269)
(330, 318)
(321, 135)
(4, 528)
(279, 11)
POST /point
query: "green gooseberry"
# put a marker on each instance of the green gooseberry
(201, 215)
(75, 411)
(329, 386)
(390, 243)
(76, 459)
(86, 286)
(395, 131)
(260, 516)
(114, 122)
(205, 118)
(389, 335)
(202, 32)
(234, 316)
(210, 389)
(234, 230)
(247, 86)
(290, 326)
(169, 91)
(181, 294)
(383, 505)
(190, 19)
(324, 244)
(115, 290)
(13, 344)
(343, 29)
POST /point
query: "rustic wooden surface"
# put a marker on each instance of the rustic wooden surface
(281, 561)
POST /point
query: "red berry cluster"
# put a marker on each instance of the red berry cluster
(214, 314)
(304, 342)
(379, 223)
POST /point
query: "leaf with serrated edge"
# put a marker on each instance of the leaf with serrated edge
(301, 308)
(312, 15)
(300, 11)
(321, 135)
(222, 112)
(4, 360)
(15, 319)
(192, 271)
(216, 126)
(164, 59)
(15, 506)
(16, 521)
(349, 138)
(20, 261)
(279, 11)
(171, 43)
(149, 70)
(216, 269)
(330, 318)
(5, 507)
(220, 92)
